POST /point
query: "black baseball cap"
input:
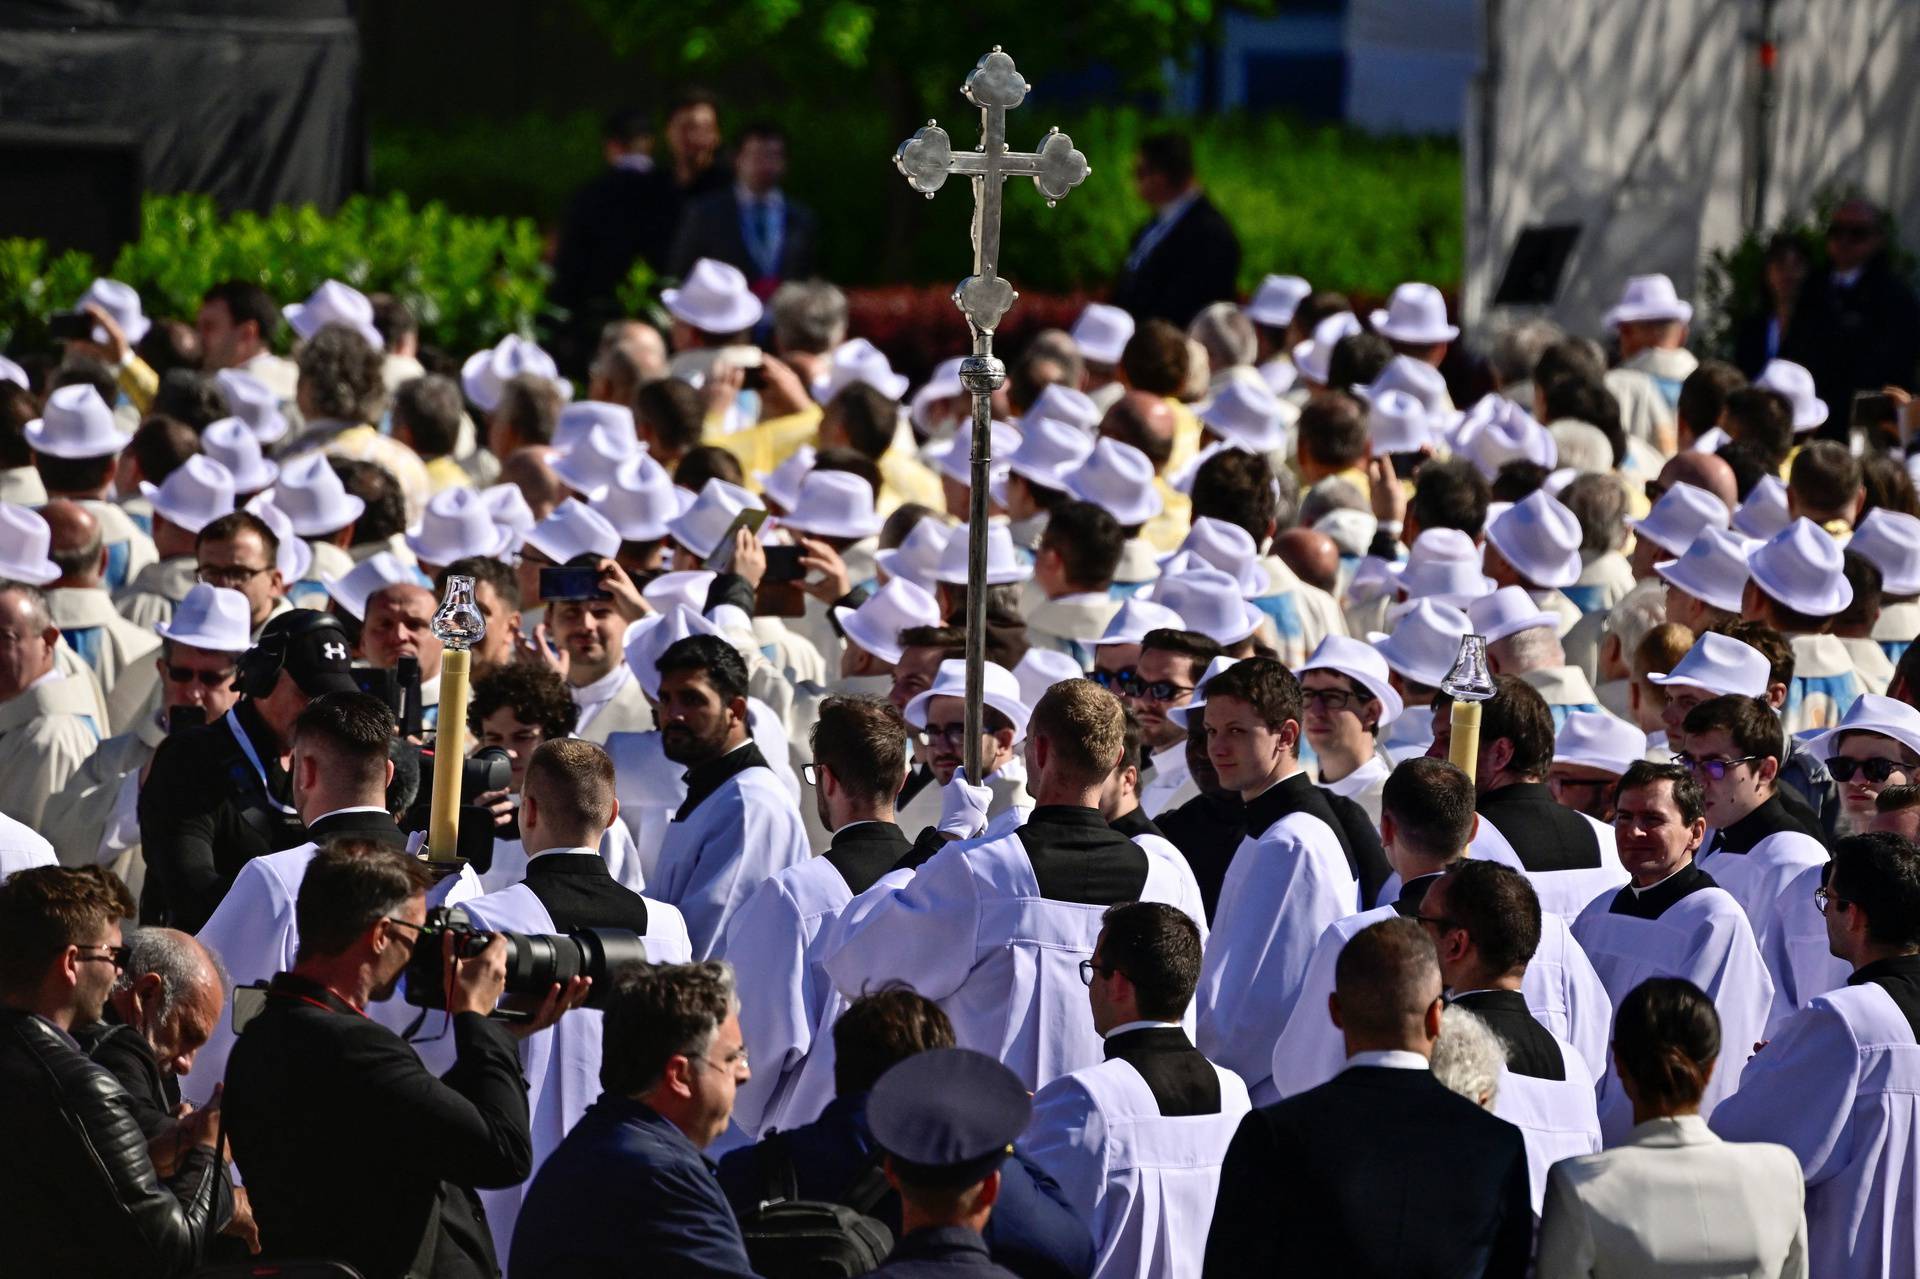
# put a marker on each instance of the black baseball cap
(316, 651)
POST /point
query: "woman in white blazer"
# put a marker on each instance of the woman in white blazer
(1673, 1199)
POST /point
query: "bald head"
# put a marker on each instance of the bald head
(170, 991)
(1312, 555)
(76, 548)
(1144, 420)
(1702, 470)
(528, 468)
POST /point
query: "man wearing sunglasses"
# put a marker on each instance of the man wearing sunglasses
(1754, 846)
(1169, 667)
(1831, 1084)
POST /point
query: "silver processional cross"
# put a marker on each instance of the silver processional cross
(926, 159)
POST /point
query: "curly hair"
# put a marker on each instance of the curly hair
(341, 375)
(535, 693)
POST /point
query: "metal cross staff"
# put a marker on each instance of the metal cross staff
(983, 297)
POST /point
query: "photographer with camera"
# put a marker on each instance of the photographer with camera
(351, 1149)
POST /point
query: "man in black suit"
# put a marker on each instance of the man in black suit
(752, 224)
(627, 212)
(1857, 324)
(1185, 257)
(1380, 1171)
(351, 1149)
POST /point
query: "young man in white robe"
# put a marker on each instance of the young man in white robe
(1673, 920)
(1349, 701)
(1289, 878)
(994, 928)
(567, 804)
(1837, 1083)
(1136, 1142)
(739, 824)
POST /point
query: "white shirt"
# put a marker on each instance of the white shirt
(1391, 1058)
(1170, 784)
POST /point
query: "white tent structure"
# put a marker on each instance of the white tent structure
(1665, 128)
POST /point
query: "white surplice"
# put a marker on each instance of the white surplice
(1757, 877)
(1557, 1118)
(1170, 784)
(1563, 892)
(47, 732)
(616, 850)
(1799, 960)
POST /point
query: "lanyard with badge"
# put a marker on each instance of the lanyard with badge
(253, 758)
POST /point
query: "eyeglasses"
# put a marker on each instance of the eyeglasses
(1088, 968)
(1440, 923)
(1112, 681)
(1874, 770)
(811, 772)
(1161, 690)
(212, 679)
(407, 923)
(116, 955)
(1824, 899)
(233, 576)
(1334, 699)
(728, 1064)
(944, 733)
(1712, 769)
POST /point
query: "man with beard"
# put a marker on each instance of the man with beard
(738, 825)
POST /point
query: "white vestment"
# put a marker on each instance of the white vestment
(119, 653)
(151, 596)
(616, 850)
(1557, 1118)
(47, 731)
(1170, 784)
(1563, 892)
(1144, 1183)
(1756, 878)
(1798, 957)
(719, 854)
(21, 848)
(94, 819)
(614, 703)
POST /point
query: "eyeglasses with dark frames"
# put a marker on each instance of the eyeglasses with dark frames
(1160, 690)
(233, 576)
(1876, 771)
(1825, 899)
(115, 955)
(1088, 968)
(1712, 769)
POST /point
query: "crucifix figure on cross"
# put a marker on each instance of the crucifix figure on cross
(926, 159)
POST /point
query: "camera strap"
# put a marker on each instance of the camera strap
(253, 759)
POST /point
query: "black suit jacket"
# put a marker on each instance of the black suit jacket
(1377, 1172)
(1196, 263)
(1857, 338)
(580, 892)
(127, 1056)
(350, 1148)
(710, 228)
(619, 216)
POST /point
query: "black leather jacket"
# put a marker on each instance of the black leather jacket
(78, 1193)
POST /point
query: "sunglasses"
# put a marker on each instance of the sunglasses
(1712, 769)
(1161, 690)
(187, 675)
(116, 955)
(1112, 681)
(1874, 770)
(1825, 900)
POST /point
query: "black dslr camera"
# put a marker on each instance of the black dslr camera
(535, 961)
(486, 770)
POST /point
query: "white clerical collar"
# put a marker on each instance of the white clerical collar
(1161, 758)
(591, 852)
(1170, 212)
(603, 688)
(1637, 890)
(1392, 1059)
(864, 821)
(1147, 1024)
(1371, 770)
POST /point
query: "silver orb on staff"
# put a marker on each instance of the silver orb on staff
(459, 625)
(984, 297)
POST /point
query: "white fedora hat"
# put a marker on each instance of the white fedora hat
(1713, 570)
(1489, 438)
(1064, 404)
(456, 524)
(858, 360)
(232, 443)
(1796, 383)
(1003, 566)
(122, 302)
(1801, 567)
(194, 495)
(1246, 412)
(1118, 477)
(1871, 713)
(638, 501)
(700, 527)
(649, 637)
(714, 298)
(1209, 602)
(917, 558)
(1050, 451)
(1415, 313)
(1197, 704)
(954, 459)
(352, 589)
(253, 402)
(1442, 574)
(1764, 513)
(1595, 739)
(485, 374)
(573, 530)
(1226, 547)
(508, 506)
(587, 467)
(1682, 514)
(1360, 662)
(1351, 530)
(580, 419)
(24, 542)
(334, 303)
(687, 586)
(310, 492)
(1040, 669)
(782, 483)
(11, 372)
(1136, 618)
(944, 384)
(1890, 539)
(1102, 333)
(1508, 611)
(1424, 642)
(1397, 422)
(292, 556)
(998, 689)
(1415, 377)
(1721, 665)
(1276, 299)
(1540, 538)
(211, 617)
(876, 625)
(76, 423)
(834, 504)
(1648, 297)
(1312, 356)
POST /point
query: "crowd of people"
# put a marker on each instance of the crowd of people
(1220, 967)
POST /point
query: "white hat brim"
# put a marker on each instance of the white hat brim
(351, 508)
(1386, 328)
(745, 312)
(1619, 315)
(859, 633)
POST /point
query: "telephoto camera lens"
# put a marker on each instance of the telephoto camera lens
(535, 961)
